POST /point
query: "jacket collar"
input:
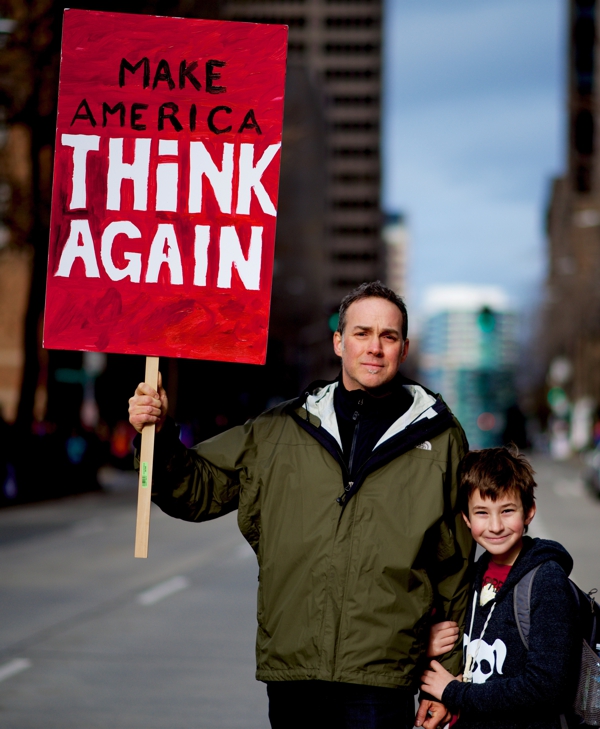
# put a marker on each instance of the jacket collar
(319, 403)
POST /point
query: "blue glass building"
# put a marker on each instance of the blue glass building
(468, 349)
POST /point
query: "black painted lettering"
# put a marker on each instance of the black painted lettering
(186, 71)
(86, 115)
(126, 66)
(250, 123)
(136, 116)
(106, 110)
(211, 120)
(163, 73)
(168, 111)
(212, 75)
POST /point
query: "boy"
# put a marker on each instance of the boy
(504, 685)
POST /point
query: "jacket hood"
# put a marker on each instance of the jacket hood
(427, 417)
(317, 399)
(534, 552)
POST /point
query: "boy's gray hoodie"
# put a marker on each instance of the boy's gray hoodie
(514, 687)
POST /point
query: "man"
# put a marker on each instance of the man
(348, 497)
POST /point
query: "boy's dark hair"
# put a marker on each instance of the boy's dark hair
(376, 290)
(495, 472)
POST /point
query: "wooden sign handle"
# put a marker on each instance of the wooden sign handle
(142, 527)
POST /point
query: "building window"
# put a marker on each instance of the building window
(355, 178)
(355, 152)
(583, 178)
(347, 283)
(584, 132)
(355, 256)
(355, 230)
(292, 21)
(349, 49)
(355, 100)
(355, 204)
(365, 21)
(355, 126)
(352, 74)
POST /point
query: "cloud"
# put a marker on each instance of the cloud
(473, 130)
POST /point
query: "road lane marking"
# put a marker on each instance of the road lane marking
(13, 667)
(162, 590)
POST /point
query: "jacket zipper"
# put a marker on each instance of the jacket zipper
(349, 484)
(355, 417)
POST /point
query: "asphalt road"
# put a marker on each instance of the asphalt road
(91, 638)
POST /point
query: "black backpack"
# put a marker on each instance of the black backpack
(587, 699)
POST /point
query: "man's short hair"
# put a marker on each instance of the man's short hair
(495, 472)
(373, 290)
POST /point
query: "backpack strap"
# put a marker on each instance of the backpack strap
(522, 604)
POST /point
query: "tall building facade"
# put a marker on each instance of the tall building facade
(571, 319)
(468, 352)
(338, 44)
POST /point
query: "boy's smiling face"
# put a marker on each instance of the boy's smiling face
(498, 526)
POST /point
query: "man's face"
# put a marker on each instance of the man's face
(371, 347)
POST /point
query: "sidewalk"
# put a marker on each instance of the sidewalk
(569, 514)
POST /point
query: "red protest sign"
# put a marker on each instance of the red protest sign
(165, 186)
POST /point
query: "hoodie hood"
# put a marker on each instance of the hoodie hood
(513, 686)
(535, 552)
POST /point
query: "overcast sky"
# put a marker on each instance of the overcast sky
(473, 133)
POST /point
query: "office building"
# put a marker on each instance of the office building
(570, 326)
(468, 353)
(337, 43)
(395, 240)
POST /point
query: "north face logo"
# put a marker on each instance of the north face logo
(425, 446)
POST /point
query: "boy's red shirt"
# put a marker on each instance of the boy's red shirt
(495, 575)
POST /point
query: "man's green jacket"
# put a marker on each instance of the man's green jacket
(349, 571)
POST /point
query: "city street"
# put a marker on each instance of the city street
(91, 638)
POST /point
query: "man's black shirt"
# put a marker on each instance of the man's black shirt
(363, 419)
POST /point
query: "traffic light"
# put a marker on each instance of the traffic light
(486, 320)
(334, 320)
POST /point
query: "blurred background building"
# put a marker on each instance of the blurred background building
(70, 408)
(395, 241)
(569, 338)
(336, 47)
(469, 352)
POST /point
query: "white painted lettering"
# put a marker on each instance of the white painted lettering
(80, 229)
(164, 250)
(134, 268)
(231, 254)
(250, 179)
(167, 177)
(201, 163)
(138, 171)
(201, 242)
(82, 144)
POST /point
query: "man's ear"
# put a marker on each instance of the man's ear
(337, 343)
(405, 346)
